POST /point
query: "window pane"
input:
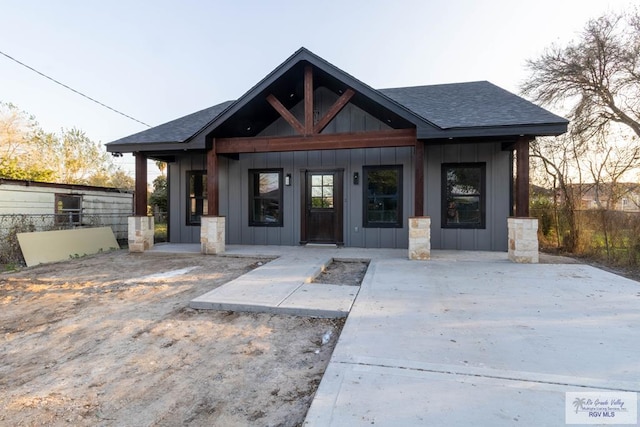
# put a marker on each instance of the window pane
(316, 191)
(266, 211)
(68, 209)
(327, 180)
(468, 209)
(463, 180)
(197, 200)
(268, 183)
(316, 202)
(382, 204)
(462, 195)
(316, 180)
(265, 197)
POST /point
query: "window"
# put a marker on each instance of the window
(68, 209)
(196, 196)
(265, 197)
(463, 195)
(382, 204)
(322, 191)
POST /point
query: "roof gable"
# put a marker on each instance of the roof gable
(458, 110)
(250, 114)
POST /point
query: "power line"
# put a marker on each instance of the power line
(73, 90)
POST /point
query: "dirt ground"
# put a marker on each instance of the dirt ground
(106, 340)
(343, 272)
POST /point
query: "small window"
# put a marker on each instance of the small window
(68, 209)
(463, 195)
(197, 204)
(382, 188)
(265, 197)
(322, 191)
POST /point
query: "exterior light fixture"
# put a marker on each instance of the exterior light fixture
(287, 179)
(356, 178)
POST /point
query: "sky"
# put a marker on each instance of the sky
(159, 60)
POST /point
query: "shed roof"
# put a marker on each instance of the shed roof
(474, 109)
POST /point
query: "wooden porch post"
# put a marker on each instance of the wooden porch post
(141, 185)
(418, 208)
(212, 226)
(522, 177)
(212, 181)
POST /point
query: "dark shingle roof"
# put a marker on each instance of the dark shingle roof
(475, 109)
(473, 104)
(178, 130)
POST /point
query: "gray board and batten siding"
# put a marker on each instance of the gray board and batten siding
(234, 187)
(497, 195)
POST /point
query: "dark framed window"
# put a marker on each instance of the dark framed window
(322, 191)
(196, 196)
(265, 197)
(68, 209)
(382, 204)
(463, 195)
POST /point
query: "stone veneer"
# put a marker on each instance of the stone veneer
(523, 240)
(212, 235)
(140, 233)
(420, 238)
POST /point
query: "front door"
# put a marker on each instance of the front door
(322, 209)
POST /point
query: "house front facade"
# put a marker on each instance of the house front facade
(313, 155)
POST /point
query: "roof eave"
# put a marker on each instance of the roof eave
(134, 147)
(544, 129)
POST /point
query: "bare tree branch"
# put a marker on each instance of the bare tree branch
(599, 75)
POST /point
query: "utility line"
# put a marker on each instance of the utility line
(73, 90)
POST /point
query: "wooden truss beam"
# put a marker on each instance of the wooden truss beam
(289, 118)
(336, 141)
(308, 128)
(333, 110)
(308, 100)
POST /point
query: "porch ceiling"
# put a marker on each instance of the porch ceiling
(256, 113)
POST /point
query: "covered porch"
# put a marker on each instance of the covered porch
(312, 155)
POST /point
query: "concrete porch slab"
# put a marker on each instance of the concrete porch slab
(321, 300)
(478, 340)
(283, 286)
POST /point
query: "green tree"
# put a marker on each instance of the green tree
(159, 195)
(23, 146)
(122, 180)
(79, 158)
(29, 153)
(161, 165)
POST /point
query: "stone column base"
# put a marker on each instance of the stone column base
(140, 233)
(420, 238)
(523, 240)
(212, 235)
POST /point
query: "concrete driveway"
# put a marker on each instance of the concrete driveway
(473, 339)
